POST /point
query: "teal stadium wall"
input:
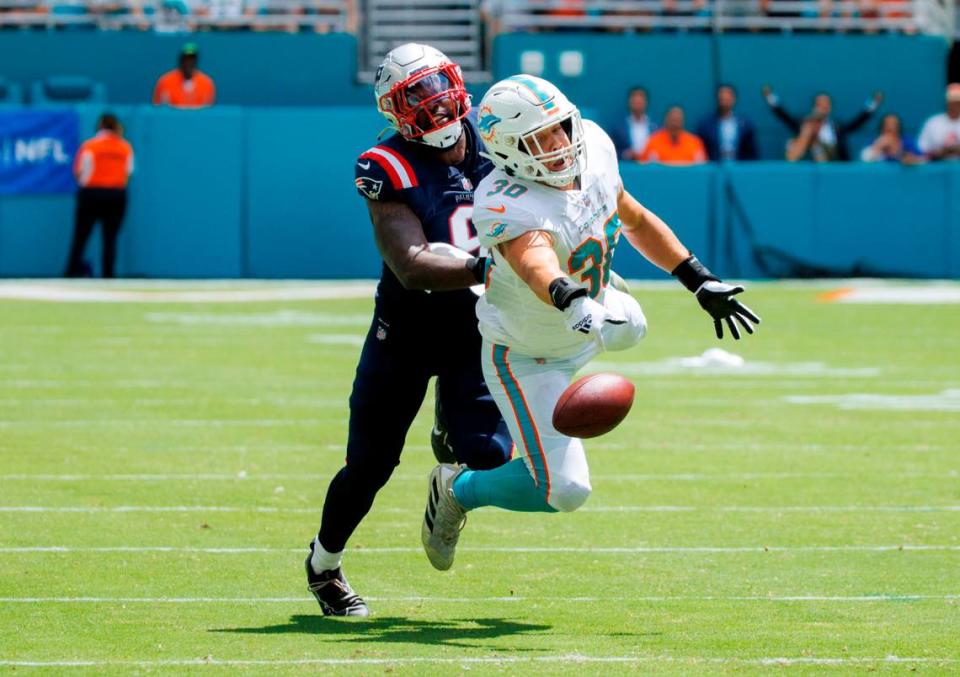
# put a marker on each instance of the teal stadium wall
(249, 69)
(242, 191)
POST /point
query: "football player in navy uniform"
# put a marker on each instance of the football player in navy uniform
(418, 186)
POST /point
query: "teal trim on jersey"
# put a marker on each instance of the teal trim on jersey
(528, 429)
(591, 251)
(509, 487)
(598, 254)
(611, 231)
(548, 103)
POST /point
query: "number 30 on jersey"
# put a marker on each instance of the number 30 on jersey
(592, 257)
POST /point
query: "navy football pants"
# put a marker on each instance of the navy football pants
(398, 359)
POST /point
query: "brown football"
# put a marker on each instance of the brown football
(593, 405)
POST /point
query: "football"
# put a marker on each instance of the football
(593, 405)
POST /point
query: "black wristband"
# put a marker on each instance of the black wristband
(692, 274)
(563, 291)
(478, 266)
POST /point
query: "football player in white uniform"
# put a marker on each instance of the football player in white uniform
(551, 214)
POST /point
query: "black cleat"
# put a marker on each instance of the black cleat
(333, 593)
(439, 437)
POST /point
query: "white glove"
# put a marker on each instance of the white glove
(586, 316)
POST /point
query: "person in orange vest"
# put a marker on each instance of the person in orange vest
(185, 86)
(673, 145)
(103, 166)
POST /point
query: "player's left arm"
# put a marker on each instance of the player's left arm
(653, 238)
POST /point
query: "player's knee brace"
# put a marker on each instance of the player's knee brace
(568, 493)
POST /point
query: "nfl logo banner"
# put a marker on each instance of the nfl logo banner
(36, 151)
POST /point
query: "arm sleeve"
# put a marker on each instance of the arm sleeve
(785, 117)
(700, 155)
(704, 132)
(373, 181)
(857, 122)
(494, 228)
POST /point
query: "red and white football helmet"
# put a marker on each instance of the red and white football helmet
(421, 94)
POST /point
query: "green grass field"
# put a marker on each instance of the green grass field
(163, 465)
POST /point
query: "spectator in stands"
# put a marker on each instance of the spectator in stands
(726, 135)
(891, 145)
(185, 86)
(940, 136)
(672, 145)
(696, 8)
(224, 15)
(103, 166)
(818, 137)
(632, 135)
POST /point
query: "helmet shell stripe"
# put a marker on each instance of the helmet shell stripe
(547, 102)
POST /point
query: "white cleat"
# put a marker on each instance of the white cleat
(444, 517)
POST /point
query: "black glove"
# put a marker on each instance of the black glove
(716, 297)
(478, 266)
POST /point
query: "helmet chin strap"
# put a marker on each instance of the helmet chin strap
(441, 149)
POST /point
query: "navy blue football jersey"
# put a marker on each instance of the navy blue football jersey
(440, 195)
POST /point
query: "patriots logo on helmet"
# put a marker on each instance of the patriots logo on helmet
(369, 187)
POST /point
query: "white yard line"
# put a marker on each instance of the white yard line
(519, 549)
(175, 422)
(490, 660)
(470, 600)
(313, 477)
(776, 509)
(189, 292)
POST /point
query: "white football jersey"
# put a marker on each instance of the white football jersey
(585, 229)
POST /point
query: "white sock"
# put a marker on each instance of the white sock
(321, 560)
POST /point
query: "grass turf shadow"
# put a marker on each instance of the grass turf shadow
(397, 629)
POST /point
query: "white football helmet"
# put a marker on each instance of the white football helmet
(421, 93)
(513, 115)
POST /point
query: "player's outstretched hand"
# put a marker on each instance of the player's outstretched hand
(717, 298)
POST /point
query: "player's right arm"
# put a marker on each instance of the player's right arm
(403, 246)
(532, 257)
(384, 178)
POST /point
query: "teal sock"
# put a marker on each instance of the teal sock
(509, 487)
